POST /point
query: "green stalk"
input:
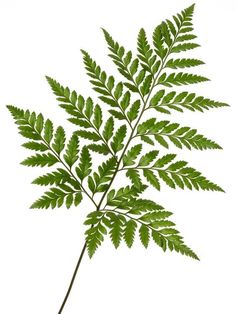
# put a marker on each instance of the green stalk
(73, 278)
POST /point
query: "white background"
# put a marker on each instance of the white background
(39, 249)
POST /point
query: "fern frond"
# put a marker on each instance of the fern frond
(177, 174)
(71, 154)
(56, 197)
(121, 213)
(184, 47)
(59, 140)
(118, 139)
(53, 143)
(134, 177)
(95, 234)
(169, 80)
(183, 63)
(57, 177)
(105, 86)
(167, 35)
(132, 154)
(129, 232)
(146, 55)
(179, 136)
(124, 195)
(163, 101)
(119, 56)
(84, 167)
(35, 146)
(83, 114)
(139, 81)
(149, 219)
(98, 180)
(40, 160)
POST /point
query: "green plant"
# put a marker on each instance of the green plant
(122, 134)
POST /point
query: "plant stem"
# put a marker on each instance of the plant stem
(72, 279)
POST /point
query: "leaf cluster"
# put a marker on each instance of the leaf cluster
(109, 126)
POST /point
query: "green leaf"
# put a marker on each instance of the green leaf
(56, 197)
(134, 66)
(179, 136)
(48, 131)
(151, 178)
(98, 181)
(108, 101)
(89, 108)
(145, 52)
(118, 115)
(40, 160)
(178, 174)
(17, 113)
(132, 154)
(57, 177)
(88, 135)
(184, 47)
(27, 123)
(180, 79)
(159, 239)
(104, 86)
(145, 126)
(157, 97)
(160, 139)
(97, 117)
(132, 87)
(147, 140)
(39, 123)
(95, 234)
(98, 77)
(183, 63)
(99, 148)
(132, 114)
(72, 149)
(165, 177)
(129, 232)
(108, 129)
(57, 89)
(123, 195)
(118, 91)
(59, 140)
(84, 113)
(35, 146)
(186, 37)
(126, 211)
(116, 231)
(125, 101)
(121, 58)
(140, 77)
(138, 206)
(78, 198)
(148, 158)
(145, 88)
(84, 168)
(134, 176)
(158, 42)
(93, 218)
(118, 139)
(166, 34)
(173, 242)
(183, 100)
(144, 235)
(164, 160)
